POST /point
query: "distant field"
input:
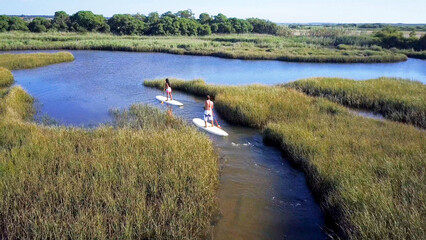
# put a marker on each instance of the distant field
(250, 46)
(357, 32)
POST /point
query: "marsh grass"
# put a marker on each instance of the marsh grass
(251, 46)
(147, 179)
(33, 60)
(6, 78)
(414, 54)
(396, 99)
(147, 176)
(367, 174)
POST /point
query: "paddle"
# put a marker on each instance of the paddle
(216, 121)
(217, 124)
(161, 100)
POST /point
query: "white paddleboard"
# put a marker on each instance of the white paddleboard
(213, 130)
(171, 102)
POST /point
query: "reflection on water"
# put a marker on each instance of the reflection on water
(261, 196)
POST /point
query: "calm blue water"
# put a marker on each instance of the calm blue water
(99, 80)
(261, 195)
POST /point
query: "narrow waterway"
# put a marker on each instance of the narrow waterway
(261, 195)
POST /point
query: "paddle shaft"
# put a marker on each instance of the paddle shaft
(215, 120)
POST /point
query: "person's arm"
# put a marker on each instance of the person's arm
(212, 110)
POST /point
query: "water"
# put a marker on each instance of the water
(261, 196)
(367, 114)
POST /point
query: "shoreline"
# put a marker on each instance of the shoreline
(244, 47)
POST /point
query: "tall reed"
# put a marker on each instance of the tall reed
(148, 176)
(396, 99)
(365, 173)
(251, 46)
(6, 78)
(33, 60)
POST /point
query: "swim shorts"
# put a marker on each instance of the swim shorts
(208, 115)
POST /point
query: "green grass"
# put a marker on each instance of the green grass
(396, 99)
(147, 176)
(6, 78)
(251, 46)
(367, 174)
(33, 60)
(414, 54)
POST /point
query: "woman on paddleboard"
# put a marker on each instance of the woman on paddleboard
(168, 89)
(208, 111)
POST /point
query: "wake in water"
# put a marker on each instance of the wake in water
(242, 144)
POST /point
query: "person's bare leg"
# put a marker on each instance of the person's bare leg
(212, 123)
(205, 123)
(171, 96)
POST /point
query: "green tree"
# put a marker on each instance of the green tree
(188, 27)
(39, 24)
(225, 27)
(153, 18)
(126, 24)
(170, 25)
(221, 24)
(263, 26)
(141, 17)
(157, 29)
(168, 14)
(220, 18)
(204, 30)
(17, 24)
(185, 14)
(4, 23)
(61, 21)
(240, 25)
(214, 27)
(205, 18)
(83, 21)
(390, 37)
(422, 43)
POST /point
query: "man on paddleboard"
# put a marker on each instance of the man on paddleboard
(208, 111)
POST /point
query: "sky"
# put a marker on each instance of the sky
(281, 11)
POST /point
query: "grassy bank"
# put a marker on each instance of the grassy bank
(396, 99)
(148, 176)
(6, 79)
(366, 173)
(414, 54)
(296, 48)
(24, 61)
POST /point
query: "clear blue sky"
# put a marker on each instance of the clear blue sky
(387, 11)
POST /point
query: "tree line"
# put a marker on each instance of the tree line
(180, 23)
(390, 37)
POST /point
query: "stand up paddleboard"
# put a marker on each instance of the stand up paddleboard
(213, 130)
(171, 102)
